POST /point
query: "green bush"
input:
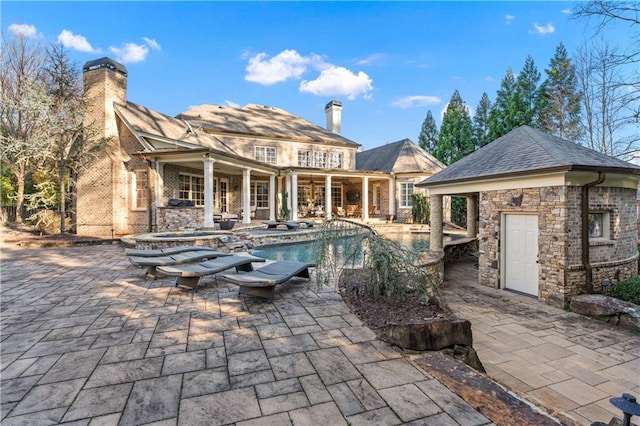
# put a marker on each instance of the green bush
(628, 290)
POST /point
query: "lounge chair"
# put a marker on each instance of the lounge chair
(163, 252)
(151, 263)
(262, 282)
(352, 210)
(191, 275)
(292, 225)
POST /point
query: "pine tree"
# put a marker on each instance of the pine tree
(481, 122)
(503, 115)
(558, 111)
(428, 138)
(456, 133)
(527, 92)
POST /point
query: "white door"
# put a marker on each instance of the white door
(521, 253)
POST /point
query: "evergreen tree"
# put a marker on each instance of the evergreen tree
(558, 111)
(428, 138)
(527, 92)
(503, 116)
(481, 122)
(456, 133)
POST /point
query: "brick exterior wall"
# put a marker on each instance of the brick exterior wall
(558, 208)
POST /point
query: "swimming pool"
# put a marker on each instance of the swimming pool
(306, 251)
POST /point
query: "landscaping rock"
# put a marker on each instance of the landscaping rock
(612, 310)
(431, 335)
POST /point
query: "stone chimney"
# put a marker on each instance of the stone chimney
(334, 116)
(105, 82)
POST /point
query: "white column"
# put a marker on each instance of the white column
(246, 196)
(392, 196)
(293, 197)
(287, 184)
(272, 197)
(472, 215)
(327, 197)
(365, 198)
(159, 189)
(208, 191)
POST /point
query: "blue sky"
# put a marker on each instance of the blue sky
(388, 62)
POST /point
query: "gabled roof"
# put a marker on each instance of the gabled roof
(402, 156)
(526, 150)
(263, 121)
(147, 123)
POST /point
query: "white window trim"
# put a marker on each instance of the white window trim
(402, 201)
(606, 225)
(265, 148)
(190, 175)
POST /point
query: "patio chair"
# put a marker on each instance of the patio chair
(352, 210)
(151, 263)
(191, 275)
(162, 252)
(372, 210)
(262, 282)
(338, 211)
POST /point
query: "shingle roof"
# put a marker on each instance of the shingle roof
(149, 122)
(402, 156)
(258, 120)
(527, 150)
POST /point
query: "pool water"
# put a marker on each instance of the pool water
(306, 251)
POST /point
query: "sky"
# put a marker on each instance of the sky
(389, 63)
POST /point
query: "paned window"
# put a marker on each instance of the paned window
(320, 160)
(260, 194)
(191, 187)
(336, 160)
(599, 225)
(406, 190)
(305, 158)
(336, 196)
(266, 154)
(140, 189)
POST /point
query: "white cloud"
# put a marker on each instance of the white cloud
(130, 53)
(509, 18)
(24, 30)
(74, 41)
(416, 101)
(373, 59)
(542, 29)
(152, 43)
(285, 65)
(231, 104)
(566, 11)
(339, 81)
(488, 78)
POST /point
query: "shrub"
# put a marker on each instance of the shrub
(628, 290)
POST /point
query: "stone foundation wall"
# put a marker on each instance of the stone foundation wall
(180, 218)
(561, 273)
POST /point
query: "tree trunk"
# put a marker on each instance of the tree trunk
(19, 199)
(63, 194)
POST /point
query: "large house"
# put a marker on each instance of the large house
(163, 173)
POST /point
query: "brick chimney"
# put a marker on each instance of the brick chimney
(334, 116)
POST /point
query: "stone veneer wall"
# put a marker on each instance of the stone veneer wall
(607, 257)
(180, 218)
(561, 273)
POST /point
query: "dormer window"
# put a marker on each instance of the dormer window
(266, 154)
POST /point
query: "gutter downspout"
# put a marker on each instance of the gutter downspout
(585, 230)
(150, 204)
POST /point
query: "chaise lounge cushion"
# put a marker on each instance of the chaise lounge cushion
(151, 263)
(191, 274)
(162, 252)
(262, 282)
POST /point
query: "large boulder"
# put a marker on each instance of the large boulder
(431, 335)
(610, 309)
